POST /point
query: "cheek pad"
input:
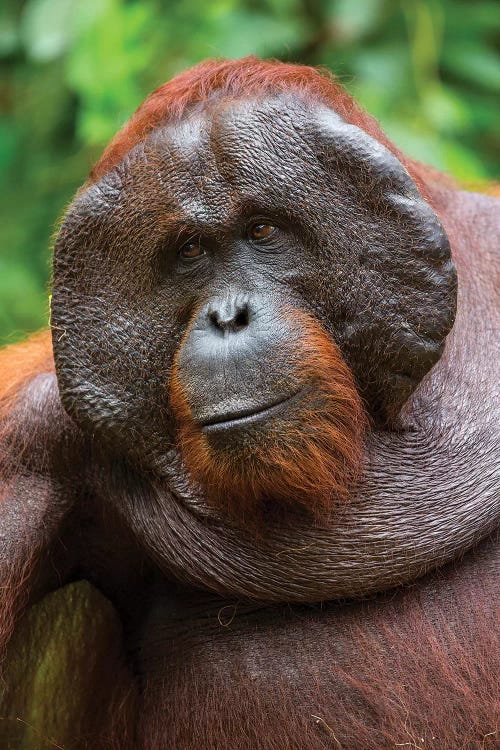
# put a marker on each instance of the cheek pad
(113, 335)
(387, 286)
(401, 301)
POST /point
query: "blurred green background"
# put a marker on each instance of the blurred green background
(74, 70)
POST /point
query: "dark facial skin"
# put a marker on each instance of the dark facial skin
(212, 285)
(237, 214)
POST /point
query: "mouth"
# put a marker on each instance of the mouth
(246, 416)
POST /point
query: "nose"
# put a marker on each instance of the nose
(229, 314)
(235, 355)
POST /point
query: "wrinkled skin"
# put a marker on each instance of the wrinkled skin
(354, 235)
(358, 250)
(119, 389)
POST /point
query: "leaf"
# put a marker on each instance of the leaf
(354, 19)
(47, 28)
(477, 64)
(444, 110)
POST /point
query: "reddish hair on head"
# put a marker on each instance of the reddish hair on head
(236, 79)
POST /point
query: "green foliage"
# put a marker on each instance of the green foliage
(62, 666)
(74, 70)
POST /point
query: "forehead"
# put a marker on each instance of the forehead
(232, 153)
(224, 128)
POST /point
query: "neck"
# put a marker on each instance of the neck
(429, 492)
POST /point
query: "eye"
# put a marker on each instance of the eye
(261, 231)
(191, 250)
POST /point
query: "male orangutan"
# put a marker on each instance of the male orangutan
(265, 427)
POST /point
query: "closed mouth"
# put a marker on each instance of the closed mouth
(245, 416)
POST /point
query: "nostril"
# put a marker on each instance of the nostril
(214, 318)
(242, 318)
(230, 315)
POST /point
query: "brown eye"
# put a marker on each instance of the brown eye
(261, 231)
(191, 250)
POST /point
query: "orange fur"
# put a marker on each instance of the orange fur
(313, 455)
(414, 669)
(367, 677)
(19, 363)
(233, 79)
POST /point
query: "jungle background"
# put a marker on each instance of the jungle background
(74, 70)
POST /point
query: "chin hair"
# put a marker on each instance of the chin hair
(310, 455)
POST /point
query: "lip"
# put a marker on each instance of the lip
(246, 416)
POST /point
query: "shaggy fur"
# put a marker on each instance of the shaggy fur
(415, 668)
(239, 79)
(400, 671)
(312, 456)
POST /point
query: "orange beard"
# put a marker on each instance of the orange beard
(310, 455)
